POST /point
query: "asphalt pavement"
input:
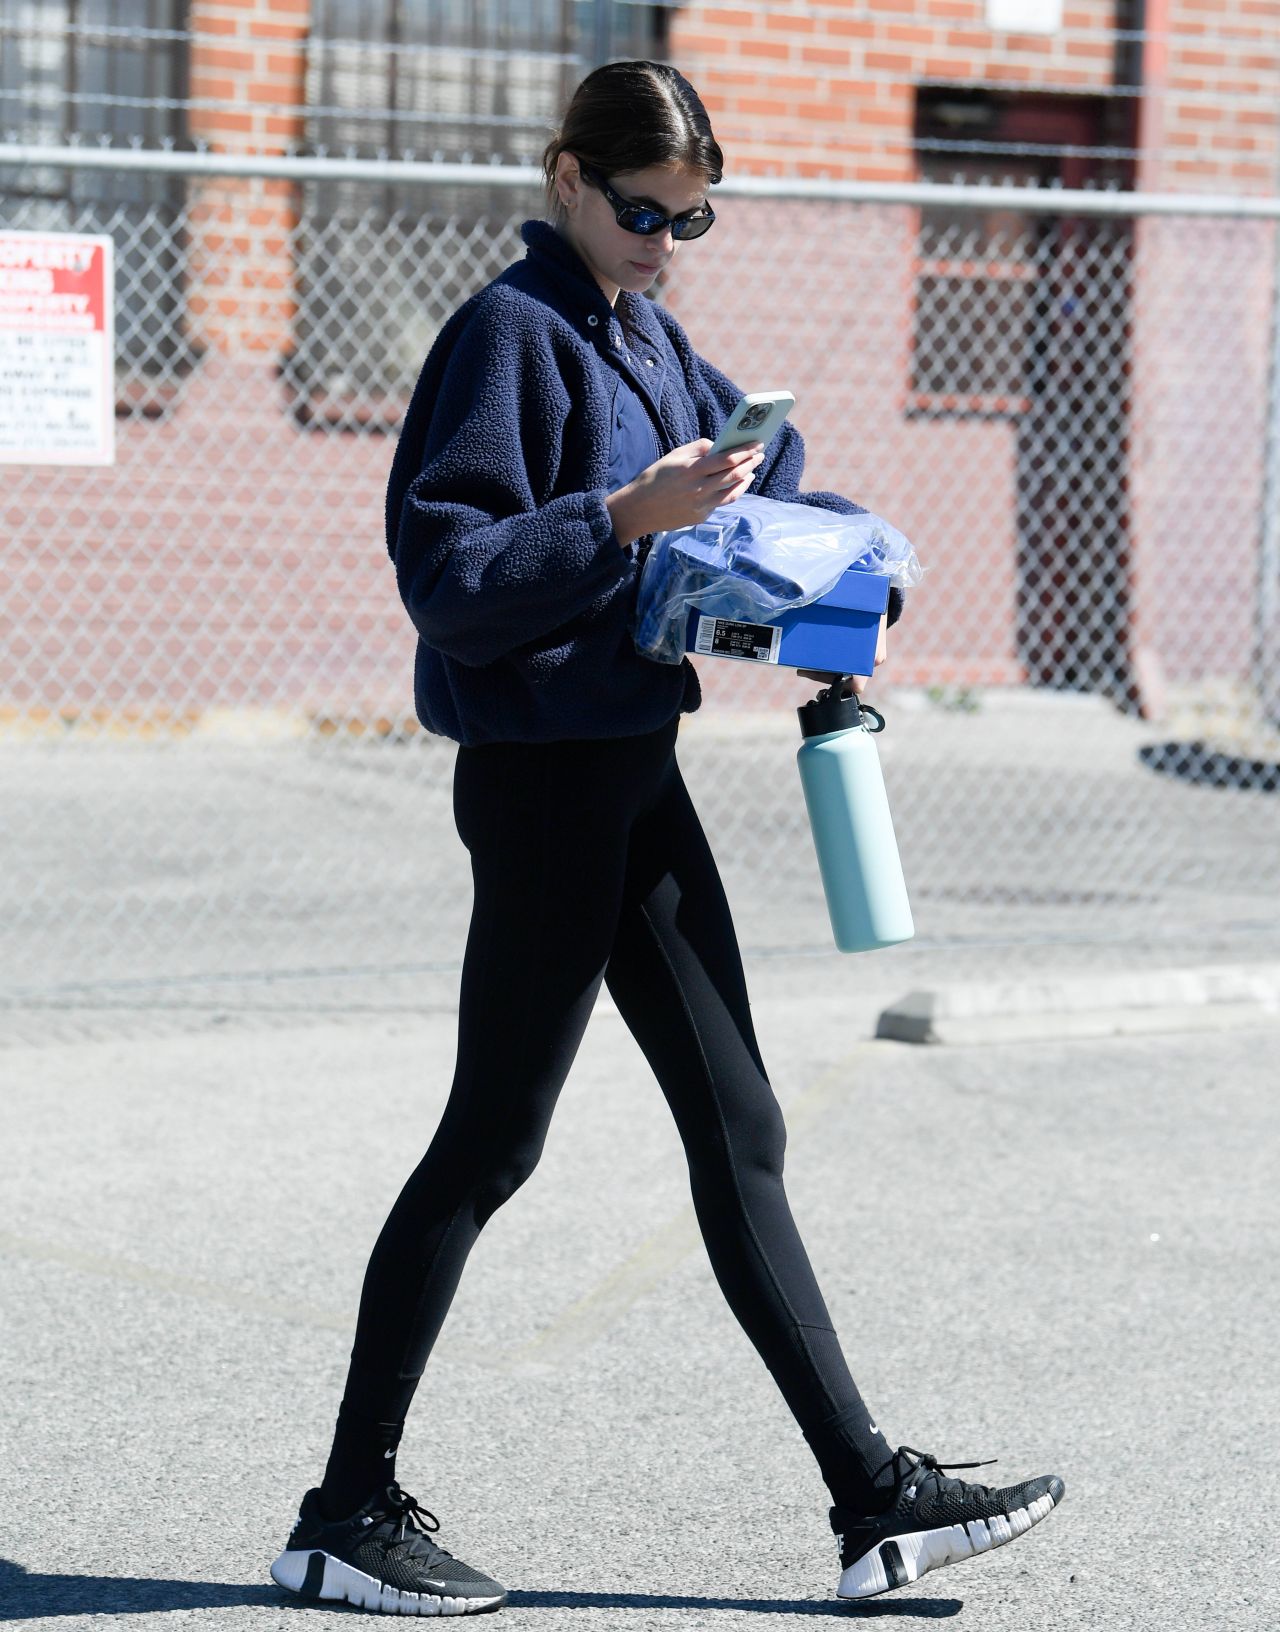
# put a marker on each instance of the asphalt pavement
(249, 871)
(1060, 1254)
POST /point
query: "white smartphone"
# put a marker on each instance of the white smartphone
(758, 415)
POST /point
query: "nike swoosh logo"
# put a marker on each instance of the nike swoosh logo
(386, 1454)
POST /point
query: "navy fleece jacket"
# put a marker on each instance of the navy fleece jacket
(505, 554)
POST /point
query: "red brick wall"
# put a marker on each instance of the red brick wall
(828, 317)
(804, 88)
(228, 559)
(240, 281)
(800, 89)
(1213, 108)
(829, 90)
(805, 92)
(258, 64)
(1201, 334)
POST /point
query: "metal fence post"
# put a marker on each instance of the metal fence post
(1266, 653)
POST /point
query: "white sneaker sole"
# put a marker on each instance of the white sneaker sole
(317, 1575)
(898, 1560)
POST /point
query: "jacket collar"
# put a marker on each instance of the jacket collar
(551, 252)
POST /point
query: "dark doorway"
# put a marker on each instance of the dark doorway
(1064, 377)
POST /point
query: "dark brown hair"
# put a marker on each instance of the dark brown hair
(630, 115)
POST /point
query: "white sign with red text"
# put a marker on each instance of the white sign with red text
(57, 349)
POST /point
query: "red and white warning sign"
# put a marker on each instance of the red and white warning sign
(57, 350)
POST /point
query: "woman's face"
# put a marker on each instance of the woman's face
(620, 259)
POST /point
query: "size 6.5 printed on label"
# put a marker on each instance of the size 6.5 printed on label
(722, 637)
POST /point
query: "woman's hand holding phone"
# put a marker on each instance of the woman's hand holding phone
(682, 489)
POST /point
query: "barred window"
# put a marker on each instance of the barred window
(379, 270)
(975, 278)
(92, 68)
(104, 68)
(978, 296)
(458, 79)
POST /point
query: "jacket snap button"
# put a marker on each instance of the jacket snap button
(648, 362)
(593, 320)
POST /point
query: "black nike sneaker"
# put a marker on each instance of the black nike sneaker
(933, 1520)
(381, 1557)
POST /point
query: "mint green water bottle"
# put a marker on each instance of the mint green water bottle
(852, 827)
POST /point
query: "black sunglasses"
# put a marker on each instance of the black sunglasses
(642, 218)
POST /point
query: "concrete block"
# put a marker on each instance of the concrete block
(1159, 1000)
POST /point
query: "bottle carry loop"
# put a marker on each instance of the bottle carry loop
(876, 715)
(829, 711)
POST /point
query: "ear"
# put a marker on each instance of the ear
(568, 181)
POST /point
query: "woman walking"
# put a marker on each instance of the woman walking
(560, 420)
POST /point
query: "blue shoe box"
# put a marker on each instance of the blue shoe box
(838, 633)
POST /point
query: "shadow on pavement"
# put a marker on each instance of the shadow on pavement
(28, 1597)
(929, 1609)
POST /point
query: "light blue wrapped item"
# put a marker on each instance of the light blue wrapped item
(753, 560)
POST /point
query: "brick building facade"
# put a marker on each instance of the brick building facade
(838, 90)
(1179, 96)
(830, 89)
(971, 463)
(833, 90)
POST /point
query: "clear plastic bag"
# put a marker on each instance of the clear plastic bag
(753, 560)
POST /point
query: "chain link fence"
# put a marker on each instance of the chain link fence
(210, 766)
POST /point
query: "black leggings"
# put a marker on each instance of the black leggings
(589, 863)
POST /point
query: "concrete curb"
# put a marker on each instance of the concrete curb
(1212, 998)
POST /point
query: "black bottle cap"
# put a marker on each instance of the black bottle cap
(829, 712)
